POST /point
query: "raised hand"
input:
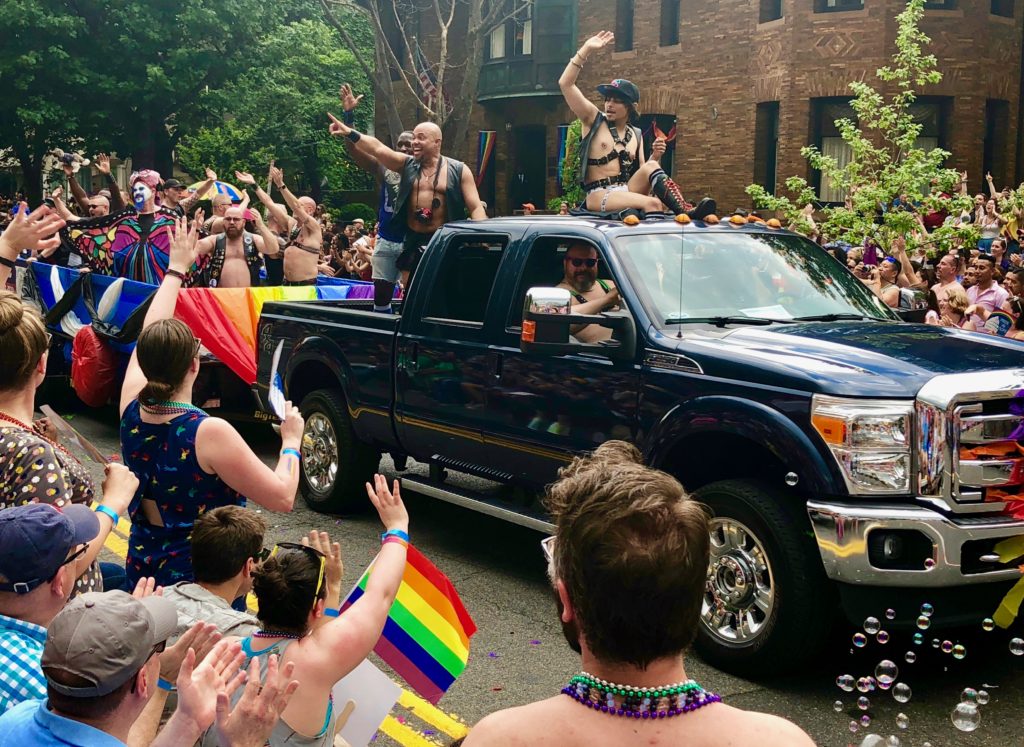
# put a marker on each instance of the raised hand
(277, 176)
(102, 163)
(57, 193)
(321, 542)
(183, 251)
(337, 127)
(119, 486)
(388, 503)
(144, 587)
(349, 101)
(256, 713)
(211, 174)
(30, 231)
(200, 638)
(598, 40)
(199, 686)
(658, 148)
(245, 178)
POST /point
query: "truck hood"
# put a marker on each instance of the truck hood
(846, 358)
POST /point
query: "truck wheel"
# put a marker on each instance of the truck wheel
(766, 604)
(335, 464)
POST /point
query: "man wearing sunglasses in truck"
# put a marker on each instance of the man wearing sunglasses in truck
(590, 294)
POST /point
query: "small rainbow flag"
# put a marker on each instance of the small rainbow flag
(426, 635)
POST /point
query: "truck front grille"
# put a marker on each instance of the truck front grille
(988, 462)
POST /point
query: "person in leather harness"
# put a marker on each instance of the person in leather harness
(591, 295)
(236, 255)
(614, 172)
(433, 189)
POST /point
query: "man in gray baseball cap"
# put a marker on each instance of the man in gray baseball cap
(39, 546)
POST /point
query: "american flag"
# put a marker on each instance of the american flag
(428, 81)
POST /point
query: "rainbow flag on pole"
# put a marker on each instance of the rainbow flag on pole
(426, 636)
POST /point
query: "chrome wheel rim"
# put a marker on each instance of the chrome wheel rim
(319, 453)
(739, 595)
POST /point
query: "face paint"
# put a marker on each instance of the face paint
(141, 193)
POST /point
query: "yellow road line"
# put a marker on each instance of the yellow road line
(405, 735)
(432, 715)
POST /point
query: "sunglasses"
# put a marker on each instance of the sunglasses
(198, 344)
(265, 554)
(547, 546)
(582, 262)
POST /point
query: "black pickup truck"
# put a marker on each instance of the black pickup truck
(852, 461)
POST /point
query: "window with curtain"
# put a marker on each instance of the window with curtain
(496, 43)
(524, 30)
(841, 152)
(824, 113)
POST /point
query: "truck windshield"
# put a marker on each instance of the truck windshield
(741, 276)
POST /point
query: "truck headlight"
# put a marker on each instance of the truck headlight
(870, 440)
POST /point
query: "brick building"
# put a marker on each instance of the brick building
(748, 84)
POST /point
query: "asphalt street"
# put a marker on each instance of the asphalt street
(519, 654)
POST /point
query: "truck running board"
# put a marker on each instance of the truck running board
(466, 499)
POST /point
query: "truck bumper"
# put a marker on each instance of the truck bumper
(910, 546)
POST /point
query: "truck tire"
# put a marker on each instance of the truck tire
(335, 464)
(767, 601)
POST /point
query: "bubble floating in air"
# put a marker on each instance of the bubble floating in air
(901, 692)
(854, 726)
(865, 721)
(863, 703)
(872, 740)
(871, 625)
(845, 682)
(927, 609)
(959, 651)
(966, 717)
(988, 624)
(947, 647)
(924, 622)
(902, 720)
(838, 706)
(918, 639)
(890, 614)
(864, 684)
(936, 643)
(893, 741)
(929, 563)
(859, 639)
(969, 695)
(910, 657)
(982, 697)
(882, 636)
(1017, 646)
(886, 672)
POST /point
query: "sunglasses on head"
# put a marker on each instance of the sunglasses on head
(547, 546)
(582, 261)
(311, 551)
(198, 344)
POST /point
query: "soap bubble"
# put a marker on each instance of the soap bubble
(845, 682)
(838, 706)
(893, 741)
(882, 637)
(924, 622)
(902, 720)
(901, 692)
(864, 684)
(890, 614)
(947, 647)
(1017, 646)
(859, 639)
(988, 624)
(872, 740)
(966, 717)
(927, 609)
(910, 657)
(865, 721)
(982, 697)
(959, 651)
(929, 563)
(871, 625)
(854, 726)
(926, 744)
(969, 695)
(886, 672)
(936, 643)
(918, 639)
(863, 703)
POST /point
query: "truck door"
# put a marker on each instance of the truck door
(544, 409)
(442, 368)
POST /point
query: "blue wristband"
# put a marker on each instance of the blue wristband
(328, 612)
(395, 533)
(109, 512)
(294, 452)
(165, 685)
(349, 118)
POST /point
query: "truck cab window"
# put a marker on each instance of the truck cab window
(464, 280)
(546, 267)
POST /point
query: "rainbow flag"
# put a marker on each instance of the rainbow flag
(484, 154)
(426, 636)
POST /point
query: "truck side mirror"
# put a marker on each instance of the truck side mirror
(548, 319)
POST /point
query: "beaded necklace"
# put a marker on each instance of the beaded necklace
(55, 444)
(277, 634)
(638, 702)
(168, 408)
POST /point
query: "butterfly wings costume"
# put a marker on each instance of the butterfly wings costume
(126, 243)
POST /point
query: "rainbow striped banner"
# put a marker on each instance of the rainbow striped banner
(426, 635)
(484, 154)
(563, 136)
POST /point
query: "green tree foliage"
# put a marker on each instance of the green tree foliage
(277, 110)
(572, 192)
(885, 164)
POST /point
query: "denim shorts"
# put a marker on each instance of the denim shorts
(384, 260)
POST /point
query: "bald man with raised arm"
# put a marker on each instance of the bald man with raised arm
(433, 190)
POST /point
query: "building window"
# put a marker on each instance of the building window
(766, 144)
(513, 37)
(824, 113)
(623, 25)
(496, 46)
(830, 6)
(771, 10)
(994, 151)
(669, 22)
(1002, 8)
(523, 28)
(940, 5)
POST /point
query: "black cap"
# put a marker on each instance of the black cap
(172, 183)
(622, 89)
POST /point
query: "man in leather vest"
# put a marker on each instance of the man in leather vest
(236, 254)
(614, 172)
(433, 189)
